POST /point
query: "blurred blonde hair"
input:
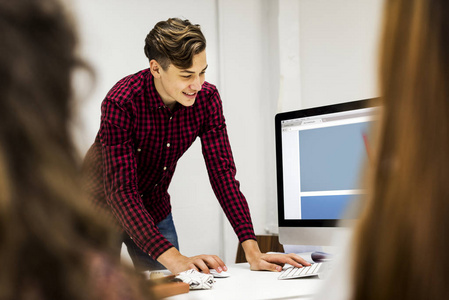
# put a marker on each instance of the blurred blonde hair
(402, 239)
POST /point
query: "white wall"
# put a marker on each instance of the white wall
(248, 31)
(338, 50)
(324, 51)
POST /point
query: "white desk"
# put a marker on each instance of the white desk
(245, 284)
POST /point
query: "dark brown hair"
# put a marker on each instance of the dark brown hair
(50, 238)
(174, 41)
(402, 240)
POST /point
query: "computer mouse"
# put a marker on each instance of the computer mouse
(319, 256)
(222, 274)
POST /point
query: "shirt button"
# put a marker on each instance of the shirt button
(155, 185)
(139, 149)
(168, 144)
(141, 196)
(165, 168)
(171, 117)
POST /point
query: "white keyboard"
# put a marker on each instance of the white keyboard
(294, 272)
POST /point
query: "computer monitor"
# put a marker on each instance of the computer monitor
(320, 155)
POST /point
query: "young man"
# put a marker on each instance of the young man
(148, 121)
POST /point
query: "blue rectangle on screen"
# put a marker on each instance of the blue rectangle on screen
(331, 157)
(325, 207)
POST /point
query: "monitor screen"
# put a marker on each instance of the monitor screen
(320, 155)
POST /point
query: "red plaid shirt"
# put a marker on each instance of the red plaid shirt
(131, 163)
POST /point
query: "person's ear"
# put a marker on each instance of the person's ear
(155, 68)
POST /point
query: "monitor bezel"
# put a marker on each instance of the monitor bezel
(302, 113)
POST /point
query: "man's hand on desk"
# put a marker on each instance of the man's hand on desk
(270, 262)
(176, 263)
(275, 262)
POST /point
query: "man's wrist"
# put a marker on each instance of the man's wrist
(169, 257)
(251, 249)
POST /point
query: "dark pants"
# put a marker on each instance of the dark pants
(141, 260)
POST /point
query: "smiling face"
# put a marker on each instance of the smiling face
(179, 85)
